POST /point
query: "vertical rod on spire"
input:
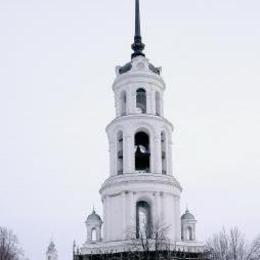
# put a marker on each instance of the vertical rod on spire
(137, 46)
(137, 19)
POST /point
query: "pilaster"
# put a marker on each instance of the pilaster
(113, 158)
(124, 217)
(105, 216)
(149, 102)
(128, 153)
(157, 154)
(107, 220)
(169, 156)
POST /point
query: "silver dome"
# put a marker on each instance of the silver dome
(94, 217)
(187, 216)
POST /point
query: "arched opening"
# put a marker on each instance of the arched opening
(189, 233)
(94, 235)
(163, 147)
(142, 152)
(143, 220)
(141, 100)
(158, 103)
(123, 101)
(120, 153)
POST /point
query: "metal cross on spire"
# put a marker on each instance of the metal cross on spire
(137, 46)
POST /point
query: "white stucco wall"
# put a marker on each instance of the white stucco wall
(121, 193)
(123, 189)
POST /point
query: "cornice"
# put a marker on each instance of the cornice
(120, 180)
(140, 116)
(137, 76)
(124, 245)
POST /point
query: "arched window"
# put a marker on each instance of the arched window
(123, 101)
(163, 147)
(142, 152)
(141, 100)
(158, 103)
(120, 153)
(189, 233)
(143, 220)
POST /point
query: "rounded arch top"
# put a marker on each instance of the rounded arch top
(144, 197)
(143, 129)
(141, 90)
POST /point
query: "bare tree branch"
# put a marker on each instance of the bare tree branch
(254, 250)
(233, 246)
(9, 249)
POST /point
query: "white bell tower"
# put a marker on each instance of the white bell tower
(51, 253)
(140, 140)
(141, 194)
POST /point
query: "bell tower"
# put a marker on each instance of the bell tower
(140, 141)
(141, 194)
(51, 253)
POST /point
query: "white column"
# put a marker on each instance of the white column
(149, 101)
(162, 103)
(154, 210)
(169, 157)
(152, 154)
(178, 218)
(124, 214)
(158, 208)
(194, 232)
(162, 215)
(127, 210)
(157, 151)
(128, 154)
(128, 98)
(132, 153)
(98, 230)
(88, 233)
(105, 217)
(153, 102)
(132, 100)
(108, 224)
(117, 103)
(131, 210)
(113, 158)
(175, 218)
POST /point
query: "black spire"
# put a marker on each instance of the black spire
(137, 46)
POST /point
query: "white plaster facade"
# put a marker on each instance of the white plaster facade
(126, 185)
(132, 120)
(121, 192)
(120, 195)
(141, 192)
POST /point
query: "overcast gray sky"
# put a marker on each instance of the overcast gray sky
(57, 60)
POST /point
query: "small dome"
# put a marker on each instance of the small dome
(94, 217)
(51, 247)
(187, 216)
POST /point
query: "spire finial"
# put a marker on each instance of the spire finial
(137, 46)
(137, 19)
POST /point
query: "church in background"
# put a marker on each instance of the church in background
(51, 253)
(141, 197)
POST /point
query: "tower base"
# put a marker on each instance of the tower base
(149, 250)
(159, 255)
